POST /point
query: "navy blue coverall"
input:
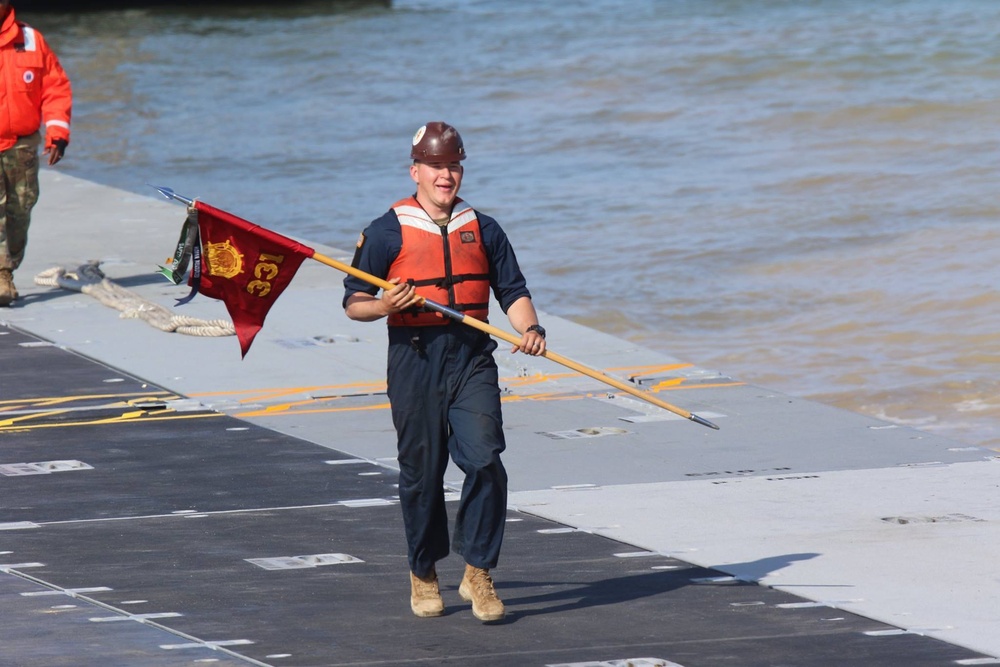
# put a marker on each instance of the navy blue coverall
(444, 391)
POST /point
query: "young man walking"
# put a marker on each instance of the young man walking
(443, 383)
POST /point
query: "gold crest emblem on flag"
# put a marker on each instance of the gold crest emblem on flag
(224, 260)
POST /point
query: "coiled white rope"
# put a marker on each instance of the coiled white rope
(133, 306)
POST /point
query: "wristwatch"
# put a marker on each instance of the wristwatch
(537, 328)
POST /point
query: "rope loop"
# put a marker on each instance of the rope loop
(89, 280)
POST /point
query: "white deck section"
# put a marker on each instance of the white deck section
(833, 537)
(887, 522)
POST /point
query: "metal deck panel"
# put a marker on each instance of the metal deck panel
(571, 597)
(46, 627)
(177, 529)
(910, 546)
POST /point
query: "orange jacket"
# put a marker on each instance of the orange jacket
(448, 265)
(34, 89)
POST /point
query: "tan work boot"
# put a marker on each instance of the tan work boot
(7, 290)
(477, 588)
(425, 596)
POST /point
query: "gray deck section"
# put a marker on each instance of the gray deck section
(625, 520)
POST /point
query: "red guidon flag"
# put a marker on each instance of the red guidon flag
(245, 266)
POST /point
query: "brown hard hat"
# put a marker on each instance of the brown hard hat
(437, 142)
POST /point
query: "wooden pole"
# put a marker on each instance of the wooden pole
(515, 340)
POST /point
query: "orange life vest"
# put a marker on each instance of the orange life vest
(34, 89)
(448, 265)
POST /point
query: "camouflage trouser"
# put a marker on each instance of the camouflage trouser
(18, 194)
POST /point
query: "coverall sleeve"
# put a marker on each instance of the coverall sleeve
(506, 278)
(57, 97)
(377, 247)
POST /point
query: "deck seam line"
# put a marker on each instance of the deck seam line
(111, 608)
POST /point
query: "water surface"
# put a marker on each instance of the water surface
(797, 194)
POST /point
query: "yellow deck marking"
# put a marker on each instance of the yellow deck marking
(650, 370)
(375, 387)
(666, 384)
(289, 409)
(49, 401)
(357, 408)
(127, 418)
(263, 393)
(42, 400)
(36, 415)
(542, 397)
(309, 401)
(525, 380)
(705, 385)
